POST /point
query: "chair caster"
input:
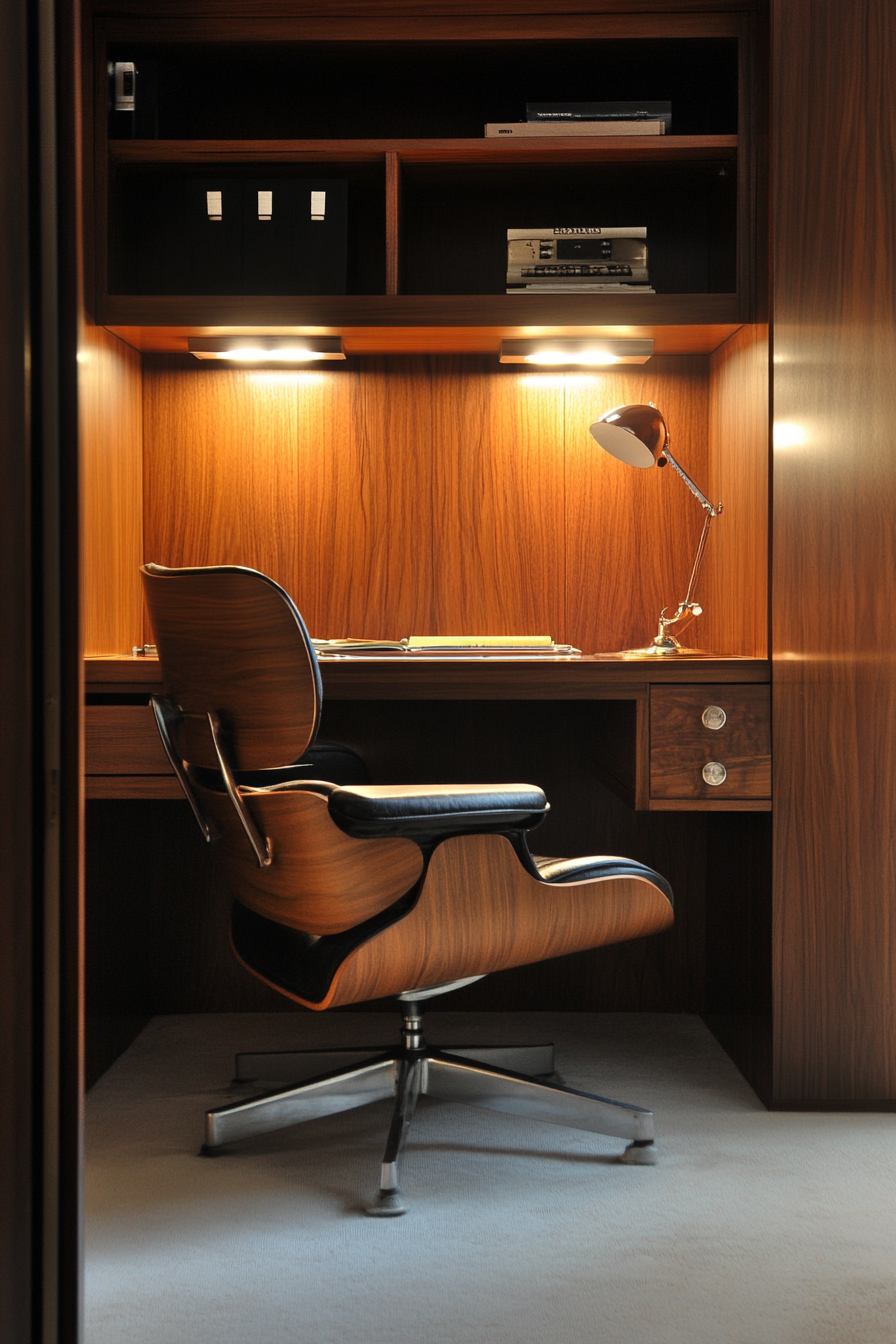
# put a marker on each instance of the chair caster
(641, 1153)
(388, 1204)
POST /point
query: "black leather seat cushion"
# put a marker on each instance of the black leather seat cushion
(558, 871)
(325, 760)
(436, 809)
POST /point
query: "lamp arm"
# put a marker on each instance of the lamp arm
(695, 490)
(688, 609)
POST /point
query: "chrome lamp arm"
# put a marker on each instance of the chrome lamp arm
(687, 609)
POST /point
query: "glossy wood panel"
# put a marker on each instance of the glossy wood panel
(698, 338)
(587, 678)
(582, 149)
(331, 314)
(435, 496)
(319, 880)
(220, 470)
(123, 740)
(111, 410)
(834, 690)
(428, 496)
(738, 476)
(681, 744)
(480, 911)
(241, 24)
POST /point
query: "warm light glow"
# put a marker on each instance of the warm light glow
(248, 354)
(560, 380)
(283, 377)
(788, 435)
(563, 357)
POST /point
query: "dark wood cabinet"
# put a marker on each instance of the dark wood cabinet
(423, 489)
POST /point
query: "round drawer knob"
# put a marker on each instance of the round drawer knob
(714, 717)
(714, 773)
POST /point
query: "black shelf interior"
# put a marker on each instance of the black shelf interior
(147, 253)
(387, 90)
(455, 220)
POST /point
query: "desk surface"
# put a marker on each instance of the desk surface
(593, 677)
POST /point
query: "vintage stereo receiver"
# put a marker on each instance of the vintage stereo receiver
(546, 256)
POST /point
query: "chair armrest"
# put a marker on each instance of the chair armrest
(436, 810)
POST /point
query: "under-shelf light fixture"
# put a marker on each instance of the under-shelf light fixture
(593, 352)
(266, 349)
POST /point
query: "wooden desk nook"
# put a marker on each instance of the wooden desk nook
(421, 487)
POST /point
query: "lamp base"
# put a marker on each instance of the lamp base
(664, 646)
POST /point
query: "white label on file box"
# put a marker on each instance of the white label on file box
(318, 204)
(213, 204)
(265, 204)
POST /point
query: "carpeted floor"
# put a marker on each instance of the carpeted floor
(755, 1228)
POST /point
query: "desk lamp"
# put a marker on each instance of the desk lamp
(637, 435)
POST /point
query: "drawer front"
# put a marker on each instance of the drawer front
(123, 740)
(710, 742)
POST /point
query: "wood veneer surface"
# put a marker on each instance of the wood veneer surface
(697, 339)
(834, 691)
(429, 496)
(480, 911)
(111, 409)
(739, 478)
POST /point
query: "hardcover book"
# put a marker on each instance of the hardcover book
(613, 111)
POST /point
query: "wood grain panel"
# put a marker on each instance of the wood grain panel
(416, 9)
(631, 534)
(319, 880)
(497, 504)
(220, 468)
(544, 24)
(835, 551)
(583, 149)
(393, 221)
(156, 788)
(230, 644)
(698, 338)
(112, 482)
(332, 313)
(458, 679)
(736, 613)
(480, 911)
(680, 743)
(123, 740)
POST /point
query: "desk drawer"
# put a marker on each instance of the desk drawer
(124, 756)
(710, 743)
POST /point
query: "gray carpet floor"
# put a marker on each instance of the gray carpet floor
(755, 1228)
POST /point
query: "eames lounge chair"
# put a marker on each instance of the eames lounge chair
(347, 893)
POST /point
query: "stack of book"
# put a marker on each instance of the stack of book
(578, 261)
(558, 119)
(448, 646)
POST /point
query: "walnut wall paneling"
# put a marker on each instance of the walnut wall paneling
(834, 691)
(428, 494)
(220, 468)
(736, 613)
(110, 397)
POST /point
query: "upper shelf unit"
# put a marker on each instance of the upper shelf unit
(395, 109)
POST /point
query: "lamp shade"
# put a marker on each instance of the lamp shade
(636, 435)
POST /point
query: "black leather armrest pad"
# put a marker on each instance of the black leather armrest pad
(436, 809)
(557, 871)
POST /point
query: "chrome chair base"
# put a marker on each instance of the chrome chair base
(499, 1078)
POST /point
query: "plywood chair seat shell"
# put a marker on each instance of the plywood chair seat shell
(347, 894)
